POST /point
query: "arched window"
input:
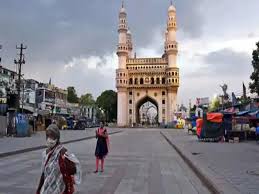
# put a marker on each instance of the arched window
(173, 80)
(152, 80)
(130, 81)
(158, 80)
(136, 81)
(141, 81)
(163, 80)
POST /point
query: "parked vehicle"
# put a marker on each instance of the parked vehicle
(70, 123)
(80, 125)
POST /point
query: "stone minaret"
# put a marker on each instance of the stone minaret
(171, 48)
(129, 43)
(121, 72)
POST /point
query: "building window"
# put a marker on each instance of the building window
(163, 101)
(130, 101)
(157, 80)
(163, 93)
(152, 80)
(163, 111)
(130, 81)
(137, 94)
(155, 94)
(163, 80)
(136, 80)
(141, 81)
(130, 111)
(130, 93)
(172, 73)
(175, 73)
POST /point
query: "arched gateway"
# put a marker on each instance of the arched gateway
(146, 111)
(146, 80)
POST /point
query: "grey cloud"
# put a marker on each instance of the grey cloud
(226, 61)
(57, 30)
(221, 63)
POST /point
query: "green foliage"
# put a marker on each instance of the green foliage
(215, 103)
(254, 85)
(107, 102)
(87, 100)
(72, 96)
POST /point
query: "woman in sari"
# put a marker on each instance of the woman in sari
(102, 146)
(60, 170)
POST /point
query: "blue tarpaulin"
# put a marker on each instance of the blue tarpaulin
(242, 113)
(22, 125)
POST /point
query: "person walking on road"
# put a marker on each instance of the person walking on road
(102, 146)
(60, 170)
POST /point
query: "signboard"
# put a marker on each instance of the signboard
(3, 100)
(202, 101)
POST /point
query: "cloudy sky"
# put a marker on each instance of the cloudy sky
(74, 42)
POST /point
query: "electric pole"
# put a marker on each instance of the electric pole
(20, 62)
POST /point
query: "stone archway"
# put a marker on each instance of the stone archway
(146, 106)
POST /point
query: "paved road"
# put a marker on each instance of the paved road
(11, 144)
(231, 166)
(140, 162)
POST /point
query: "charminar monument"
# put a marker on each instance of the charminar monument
(141, 80)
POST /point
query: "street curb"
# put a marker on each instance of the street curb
(6, 154)
(204, 179)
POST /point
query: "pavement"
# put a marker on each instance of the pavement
(229, 167)
(140, 161)
(15, 145)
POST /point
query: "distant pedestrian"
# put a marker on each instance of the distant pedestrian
(60, 170)
(102, 146)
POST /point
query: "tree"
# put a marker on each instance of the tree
(107, 102)
(215, 103)
(254, 85)
(72, 96)
(87, 100)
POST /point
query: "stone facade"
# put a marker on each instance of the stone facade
(139, 80)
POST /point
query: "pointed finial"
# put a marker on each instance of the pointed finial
(122, 4)
(171, 2)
